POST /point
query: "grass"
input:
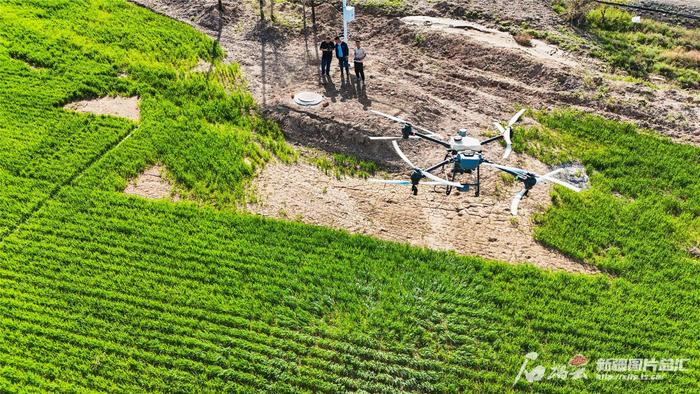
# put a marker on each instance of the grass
(100, 291)
(341, 165)
(646, 48)
(206, 132)
(656, 175)
(641, 50)
(383, 6)
(419, 38)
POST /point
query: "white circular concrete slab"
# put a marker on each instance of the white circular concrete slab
(308, 98)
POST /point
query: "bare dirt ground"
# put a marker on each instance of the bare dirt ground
(538, 50)
(124, 107)
(466, 224)
(152, 184)
(443, 75)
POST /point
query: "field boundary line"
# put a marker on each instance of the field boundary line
(57, 189)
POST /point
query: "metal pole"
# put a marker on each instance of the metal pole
(345, 22)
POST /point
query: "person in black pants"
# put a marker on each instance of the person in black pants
(360, 55)
(342, 52)
(327, 51)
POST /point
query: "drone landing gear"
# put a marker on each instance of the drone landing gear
(478, 182)
(415, 179)
(465, 186)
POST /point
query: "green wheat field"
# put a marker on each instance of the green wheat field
(105, 292)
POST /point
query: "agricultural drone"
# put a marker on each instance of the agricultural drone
(465, 155)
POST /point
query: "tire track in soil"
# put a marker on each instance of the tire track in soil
(57, 189)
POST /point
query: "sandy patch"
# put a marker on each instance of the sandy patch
(152, 184)
(123, 107)
(202, 66)
(464, 223)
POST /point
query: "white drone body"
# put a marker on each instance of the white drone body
(460, 142)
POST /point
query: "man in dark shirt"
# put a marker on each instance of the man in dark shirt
(327, 51)
(342, 52)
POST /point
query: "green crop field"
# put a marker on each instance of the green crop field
(641, 49)
(105, 292)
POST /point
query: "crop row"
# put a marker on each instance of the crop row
(105, 292)
(17, 199)
(40, 140)
(224, 345)
(94, 245)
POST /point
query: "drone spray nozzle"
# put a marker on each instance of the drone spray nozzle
(407, 131)
(530, 182)
(416, 176)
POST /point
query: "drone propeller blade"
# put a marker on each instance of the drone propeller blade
(404, 121)
(551, 173)
(506, 137)
(440, 180)
(499, 127)
(390, 117)
(402, 155)
(424, 173)
(389, 138)
(505, 132)
(548, 178)
(515, 117)
(510, 170)
(390, 181)
(516, 201)
(509, 147)
(428, 132)
(383, 138)
(400, 182)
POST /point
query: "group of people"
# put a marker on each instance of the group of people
(342, 53)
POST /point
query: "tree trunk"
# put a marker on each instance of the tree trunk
(313, 15)
(303, 10)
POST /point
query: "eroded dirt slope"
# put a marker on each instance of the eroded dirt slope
(444, 79)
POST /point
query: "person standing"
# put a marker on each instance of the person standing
(342, 52)
(360, 55)
(327, 56)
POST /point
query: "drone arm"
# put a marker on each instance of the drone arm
(436, 166)
(513, 171)
(492, 139)
(432, 139)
